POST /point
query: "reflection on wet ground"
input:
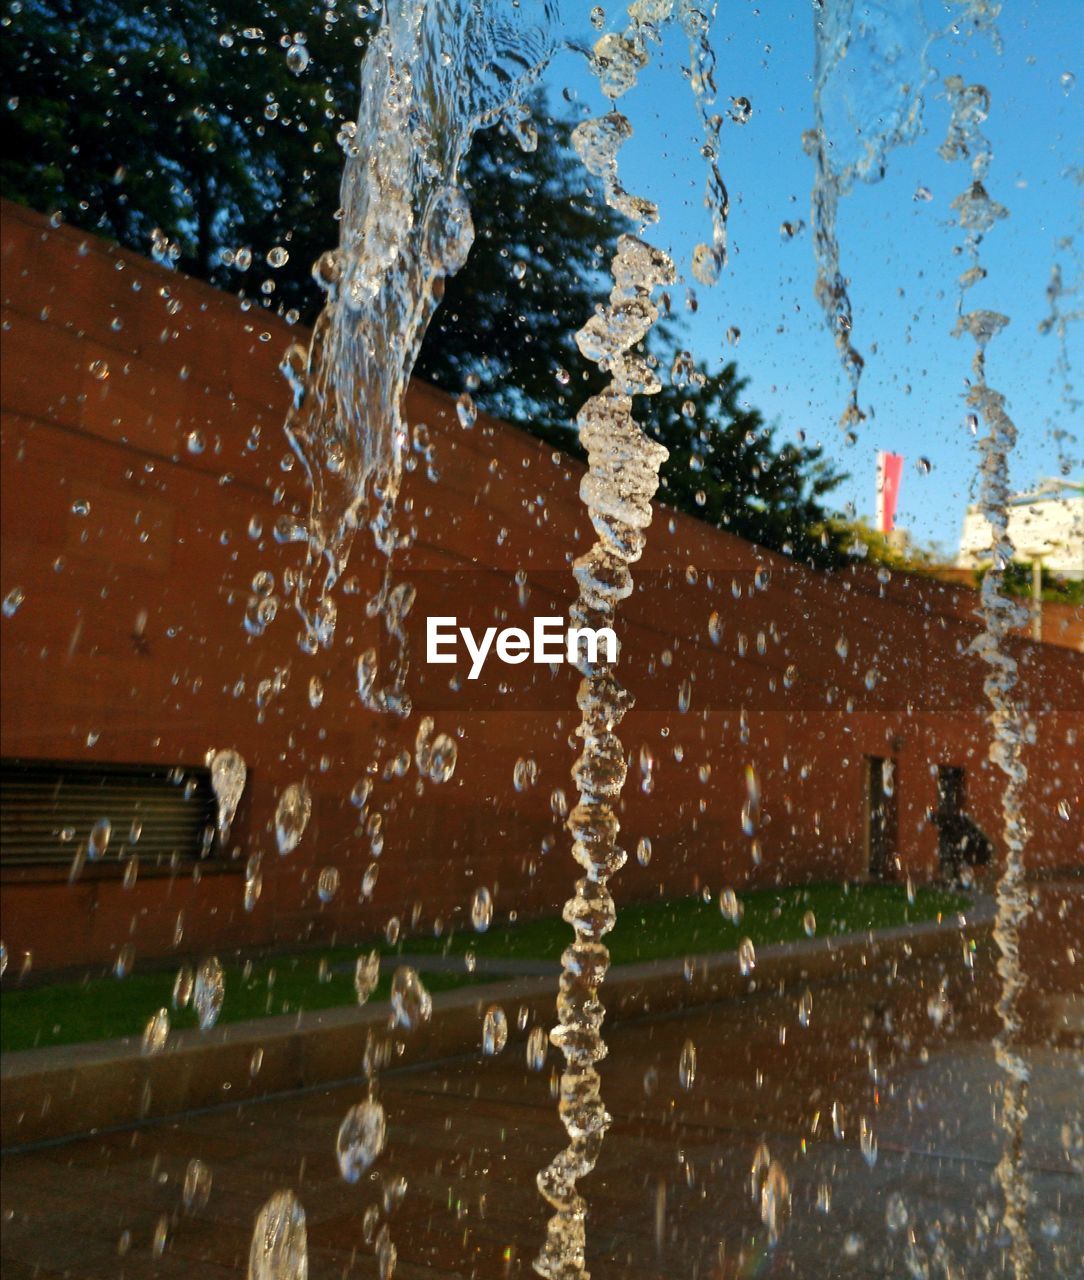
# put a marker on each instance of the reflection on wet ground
(880, 1113)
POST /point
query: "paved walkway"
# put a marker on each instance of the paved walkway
(907, 1049)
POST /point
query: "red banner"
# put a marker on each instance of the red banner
(889, 474)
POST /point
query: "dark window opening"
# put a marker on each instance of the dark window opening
(881, 816)
(51, 813)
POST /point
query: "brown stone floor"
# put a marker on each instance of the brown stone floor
(671, 1194)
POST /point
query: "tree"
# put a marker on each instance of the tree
(206, 134)
(726, 468)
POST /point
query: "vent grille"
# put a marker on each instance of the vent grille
(48, 809)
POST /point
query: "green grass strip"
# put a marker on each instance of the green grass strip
(101, 1007)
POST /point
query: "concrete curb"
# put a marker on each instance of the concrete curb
(65, 1091)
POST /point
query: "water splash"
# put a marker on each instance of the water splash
(696, 22)
(977, 213)
(432, 75)
(228, 775)
(1066, 300)
(869, 69)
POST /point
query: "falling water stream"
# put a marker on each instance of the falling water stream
(978, 213)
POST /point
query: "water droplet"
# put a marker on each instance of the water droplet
(867, 1142)
(228, 775)
(99, 369)
(443, 754)
(208, 992)
(747, 957)
(12, 601)
(643, 850)
(923, 466)
(481, 909)
(98, 842)
(685, 695)
(280, 1249)
(156, 1033)
(809, 924)
(122, 966)
(729, 906)
(525, 773)
(715, 628)
(297, 58)
(494, 1030)
(278, 256)
(536, 1048)
(197, 1186)
(292, 816)
(896, 1215)
(775, 1201)
(733, 335)
(361, 1139)
(366, 975)
(411, 1004)
(465, 410)
(182, 986)
(327, 884)
(1063, 810)
(750, 813)
(741, 110)
(687, 1065)
(1050, 1225)
(805, 1008)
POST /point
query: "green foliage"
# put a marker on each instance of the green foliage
(726, 467)
(861, 541)
(185, 120)
(1055, 588)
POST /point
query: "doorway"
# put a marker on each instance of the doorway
(881, 815)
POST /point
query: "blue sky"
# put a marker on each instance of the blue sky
(898, 251)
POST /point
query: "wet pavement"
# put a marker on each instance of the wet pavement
(902, 1055)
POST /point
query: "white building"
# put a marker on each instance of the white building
(1046, 525)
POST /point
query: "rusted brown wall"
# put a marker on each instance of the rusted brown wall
(166, 535)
